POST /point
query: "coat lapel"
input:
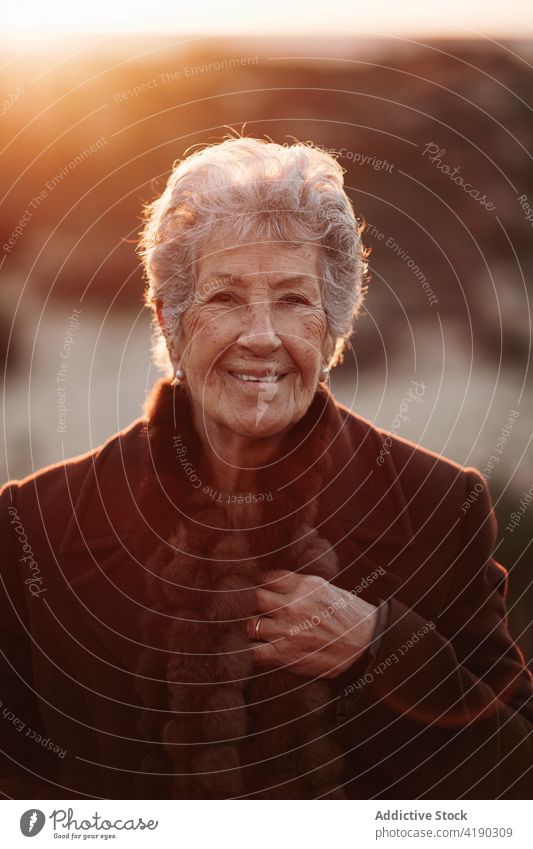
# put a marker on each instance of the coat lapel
(366, 516)
(104, 510)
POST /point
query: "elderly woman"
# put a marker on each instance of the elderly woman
(251, 592)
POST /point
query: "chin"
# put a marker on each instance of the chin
(258, 421)
(257, 426)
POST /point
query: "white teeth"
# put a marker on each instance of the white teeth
(265, 379)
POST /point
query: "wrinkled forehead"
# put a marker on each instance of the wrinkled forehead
(258, 259)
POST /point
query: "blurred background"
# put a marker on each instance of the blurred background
(429, 112)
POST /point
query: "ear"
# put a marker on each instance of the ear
(159, 313)
(328, 348)
(174, 345)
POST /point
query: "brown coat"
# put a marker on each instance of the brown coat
(443, 711)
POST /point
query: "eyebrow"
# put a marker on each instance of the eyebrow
(287, 281)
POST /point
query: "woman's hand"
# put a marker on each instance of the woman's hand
(309, 626)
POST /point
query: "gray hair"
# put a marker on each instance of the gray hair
(248, 189)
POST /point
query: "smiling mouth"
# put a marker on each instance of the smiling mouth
(244, 377)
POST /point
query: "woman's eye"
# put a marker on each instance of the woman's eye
(295, 299)
(222, 298)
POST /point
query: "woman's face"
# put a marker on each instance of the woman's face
(255, 339)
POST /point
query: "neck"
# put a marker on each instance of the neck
(235, 461)
(293, 469)
(292, 461)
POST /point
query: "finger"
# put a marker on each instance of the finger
(270, 602)
(279, 580)
(251, 625)
(265, 654)
(268, 629)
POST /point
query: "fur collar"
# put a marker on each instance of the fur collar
(220, 728)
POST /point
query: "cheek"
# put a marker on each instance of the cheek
(312, 338)
(195, 322)
(205, 336)
(316, 325)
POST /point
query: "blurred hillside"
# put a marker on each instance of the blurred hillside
(96, 135)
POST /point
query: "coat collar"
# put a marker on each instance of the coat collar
(362, 496)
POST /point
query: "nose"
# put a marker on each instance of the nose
(259, 335)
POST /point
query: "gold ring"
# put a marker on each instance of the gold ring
(256, 629)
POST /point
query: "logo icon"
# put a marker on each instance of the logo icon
(267, 392)
(31, 822)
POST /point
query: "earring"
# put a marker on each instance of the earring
(324, 373)
(179, 374)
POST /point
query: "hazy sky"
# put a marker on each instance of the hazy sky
(374, 17)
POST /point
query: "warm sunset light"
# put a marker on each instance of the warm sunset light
(266, 487)
(378, 17)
